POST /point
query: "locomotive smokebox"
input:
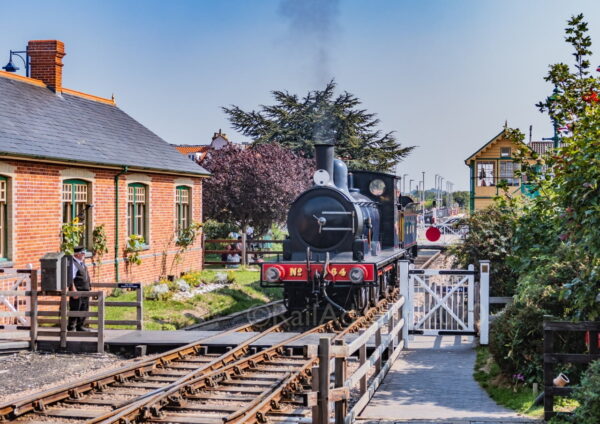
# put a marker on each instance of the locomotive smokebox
(324, 157)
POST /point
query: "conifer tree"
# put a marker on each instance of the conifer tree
(298, 123)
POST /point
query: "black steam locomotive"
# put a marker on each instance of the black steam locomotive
(347, 234)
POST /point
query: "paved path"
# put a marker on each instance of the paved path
(432, 382)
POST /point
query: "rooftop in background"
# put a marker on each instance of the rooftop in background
(541, 147)
(40, 119)
(198, 152)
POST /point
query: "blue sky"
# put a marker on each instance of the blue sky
(444, 75)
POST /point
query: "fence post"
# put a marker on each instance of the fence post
(324, 373)
(471, 298)
(244, 240)
(362, 358)
(484, 299)
(405, 292)
(379, 361)
(33, 310)
(391, 324)
(341, 407)
(549, 372)
(140, 308)
(315, 389)
(101, 322)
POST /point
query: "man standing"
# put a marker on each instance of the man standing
(81, 282)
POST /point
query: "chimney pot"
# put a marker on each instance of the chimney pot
(45, 58)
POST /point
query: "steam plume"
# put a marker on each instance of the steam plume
(313, 23)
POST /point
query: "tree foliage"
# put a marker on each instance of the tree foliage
(255, 186)
(554, 248)
(298, 123)
(490, 237)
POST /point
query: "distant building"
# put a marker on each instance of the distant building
(200, 152)
(493, 163)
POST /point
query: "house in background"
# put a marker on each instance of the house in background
(200, 152)
(66, 154)
(493, 163)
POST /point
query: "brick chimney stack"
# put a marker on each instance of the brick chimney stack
(45, 58)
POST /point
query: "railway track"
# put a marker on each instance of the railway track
(189, 385)
(97, 395)
(268, 386)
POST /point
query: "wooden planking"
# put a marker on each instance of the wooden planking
(220, 397)
(75, 413)
(188, 419)
(573, 358)
(206, 408)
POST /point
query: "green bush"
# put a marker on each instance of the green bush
(588, 396)
(543, 284)
(150, 292)
(194, 279)
(516, 341)
(490, 237)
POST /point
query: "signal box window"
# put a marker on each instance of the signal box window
(505, 152)
(137, 210)
(182, 204)
(485, 174)
(74, 205)
(507, 172)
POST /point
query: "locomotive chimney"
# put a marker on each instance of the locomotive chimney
(324, 157)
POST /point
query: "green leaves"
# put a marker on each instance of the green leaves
(72, 234)
(135, 244)
(298, 123)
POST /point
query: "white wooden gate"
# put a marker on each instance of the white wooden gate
(446, 301)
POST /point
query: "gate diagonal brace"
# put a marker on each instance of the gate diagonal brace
(441, 302)
(310, 399)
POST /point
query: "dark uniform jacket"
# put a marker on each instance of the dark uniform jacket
(82, 278)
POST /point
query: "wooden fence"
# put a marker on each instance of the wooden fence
(23, 276)
(53, 322)
(552, 357)
(251, 248)
(333, 361)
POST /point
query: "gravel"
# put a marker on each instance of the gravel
(25, 373)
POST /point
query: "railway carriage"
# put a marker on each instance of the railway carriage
(347, 234)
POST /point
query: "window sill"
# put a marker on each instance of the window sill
(4, 263)
(145, 247)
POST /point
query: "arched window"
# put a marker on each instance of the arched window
(137, 210)
(183, 200)
(75, 201)
(3, 218)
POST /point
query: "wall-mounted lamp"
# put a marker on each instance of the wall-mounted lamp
(11, 67)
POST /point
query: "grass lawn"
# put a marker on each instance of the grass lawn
(245, 292)
(520, 399)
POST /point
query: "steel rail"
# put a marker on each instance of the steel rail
(259, 407)
(38, 401)
(140, 409)
(216, 364)
(258, 413)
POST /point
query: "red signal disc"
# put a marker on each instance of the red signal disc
(433, 234)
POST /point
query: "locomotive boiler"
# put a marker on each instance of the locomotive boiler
(347, 234)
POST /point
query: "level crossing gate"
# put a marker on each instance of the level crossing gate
(446, 301)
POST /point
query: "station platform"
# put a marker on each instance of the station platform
(155, 341)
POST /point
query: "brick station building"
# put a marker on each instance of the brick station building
(62, 151)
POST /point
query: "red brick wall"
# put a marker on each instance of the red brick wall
(36, 199)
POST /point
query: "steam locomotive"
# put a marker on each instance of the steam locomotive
(347, 234)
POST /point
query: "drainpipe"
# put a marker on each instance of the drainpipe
(124, 171)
